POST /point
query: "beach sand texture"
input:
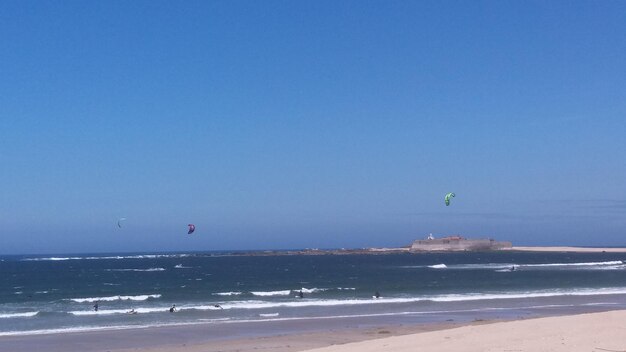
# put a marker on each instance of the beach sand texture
(586, 332)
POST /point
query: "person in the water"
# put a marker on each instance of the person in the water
(173, 308)
(377, 294)
(95, 307)
(300, 294)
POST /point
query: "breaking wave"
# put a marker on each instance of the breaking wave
(115, 298)
(144, 270)
(438, 266)
(608, 265)
(18, 315)
(272, 293)
(227, 293)
(139, 256)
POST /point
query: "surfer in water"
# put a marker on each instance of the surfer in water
(95, 307)
(300, 294)
(173, 308)
(377, 295)
(217, 306)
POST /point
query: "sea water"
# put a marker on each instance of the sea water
(47, 294)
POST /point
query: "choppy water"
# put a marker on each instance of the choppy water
(43, 294)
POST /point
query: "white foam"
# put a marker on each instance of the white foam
(268, 316)
(614, 262)
(265, 315)
(115, 298)
(144, 310)
(529, 294)
(313, 290)
(141, 256)
(438, 266)
(120, 311)
(18, 315)
(608, 265)
(180, 266)
(232, 293)
(271, 293)
(201, 307)
(256, 304)
(611, 267)
(145, 270)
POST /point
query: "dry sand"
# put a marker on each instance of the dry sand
(585, 332)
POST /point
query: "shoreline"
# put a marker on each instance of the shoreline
(339, 336)
(208, 337)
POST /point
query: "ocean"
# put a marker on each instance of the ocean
(49, 294)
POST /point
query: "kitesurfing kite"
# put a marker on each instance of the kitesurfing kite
(119, 222)
(447, 198)
(192, 228)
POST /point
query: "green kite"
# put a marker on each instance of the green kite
(447, 198)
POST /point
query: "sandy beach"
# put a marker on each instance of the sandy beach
(586, 332)
(604, 331)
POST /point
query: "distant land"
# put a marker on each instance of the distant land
(455, 243)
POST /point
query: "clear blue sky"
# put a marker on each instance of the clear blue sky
(292, 124)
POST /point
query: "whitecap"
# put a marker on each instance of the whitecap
(141, 270)
(17, 315)
(271, 293)
(257, 304)
(115, 298)
(438, 266)
(313, 290)
(140, 256)
(232, 293)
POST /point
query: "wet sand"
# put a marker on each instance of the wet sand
(604, 331)
(204, 338)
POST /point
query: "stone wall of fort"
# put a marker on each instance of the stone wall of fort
(457, 243)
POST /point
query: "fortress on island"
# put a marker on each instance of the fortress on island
(457, 243)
